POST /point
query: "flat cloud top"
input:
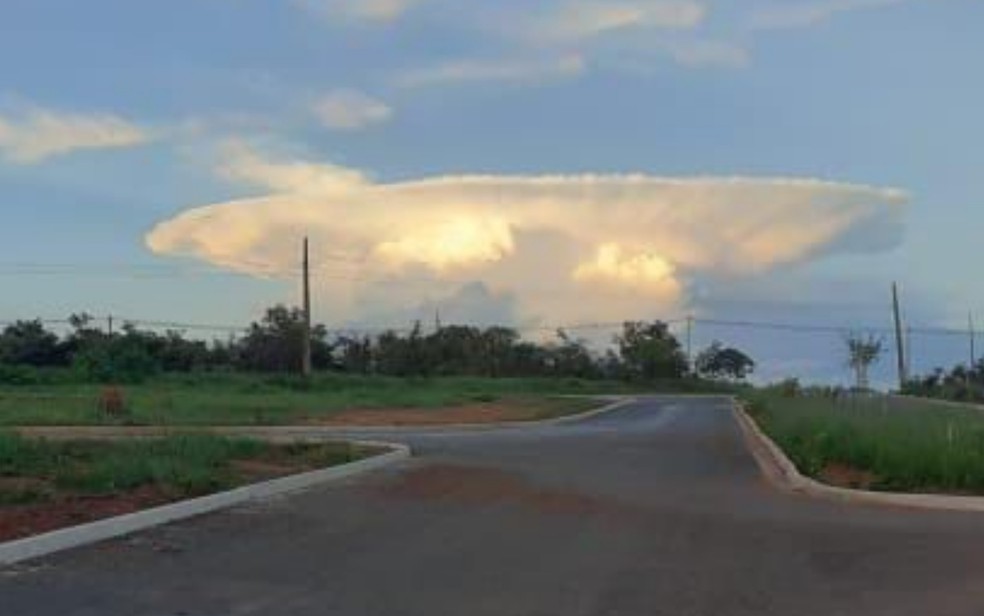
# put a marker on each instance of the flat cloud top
(635, 234)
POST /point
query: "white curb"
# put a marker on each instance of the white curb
(40, 545)
(782, 473)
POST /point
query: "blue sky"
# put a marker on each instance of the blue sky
(360, 122)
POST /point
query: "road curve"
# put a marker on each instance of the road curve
(654, 509)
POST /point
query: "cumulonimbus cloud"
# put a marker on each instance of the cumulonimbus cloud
(635, 235)
(41, 133)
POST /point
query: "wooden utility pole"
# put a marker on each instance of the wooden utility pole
(690, 351)
(306, 333)
(899, 344)
(970, 330)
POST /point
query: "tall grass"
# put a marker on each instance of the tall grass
(907, 445)
(184, 465)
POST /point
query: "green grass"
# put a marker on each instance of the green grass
(908, 445)
(237, 399)
(34, 470)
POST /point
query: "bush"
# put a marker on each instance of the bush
(117, 360)
(18, 375)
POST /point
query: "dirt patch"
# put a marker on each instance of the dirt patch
(844, 476)
(24, 520)
(60, 509)
(262, 469)
(474, 413)
(481, 487)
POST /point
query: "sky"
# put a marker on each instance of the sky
(532, 163)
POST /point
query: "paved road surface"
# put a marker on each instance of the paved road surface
(653, 509)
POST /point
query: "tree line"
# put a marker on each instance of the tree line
(961, 383)
(641, 350)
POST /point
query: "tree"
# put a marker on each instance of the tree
(275, 343)
(718, 361)
(862, 353)
(123, 358)
(29, 343)
(572, 357)
(354, 354)
(650, 351)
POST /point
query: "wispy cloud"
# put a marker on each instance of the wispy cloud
(584, 19)
(637, 237)
(350, 110)
(37, 134)
(502, 70)
(810, 13)
(362, 10)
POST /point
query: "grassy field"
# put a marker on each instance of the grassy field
(35, 470)
(878, 443)
(265, 400)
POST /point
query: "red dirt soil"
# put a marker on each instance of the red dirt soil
(482, 487)
(18, 521)
(844, 476)
(464, 414)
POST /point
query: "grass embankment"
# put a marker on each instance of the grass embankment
(229, 399)
(878, 443)
(50, 484)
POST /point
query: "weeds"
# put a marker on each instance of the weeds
(230, 399)
(908, 445)
(181, 466)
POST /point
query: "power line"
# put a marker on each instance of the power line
(532, 327)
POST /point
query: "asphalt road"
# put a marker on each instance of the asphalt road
(653, 509)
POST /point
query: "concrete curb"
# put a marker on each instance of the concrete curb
(780, 471)
(301, 432)
(20, 550)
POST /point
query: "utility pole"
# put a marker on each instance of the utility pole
(970, 329)
(306, 333)
(690, 353)
(899, 346)
(109, 325)
(908, 349)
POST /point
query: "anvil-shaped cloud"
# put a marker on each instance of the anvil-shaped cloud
(573, 246)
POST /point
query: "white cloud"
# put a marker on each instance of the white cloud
(502, 70)
(647, 272)
(350, 110)
(583, 19)
(39, 134)
(801, 14)
(242, 164)
(363, 10)
(584, 246)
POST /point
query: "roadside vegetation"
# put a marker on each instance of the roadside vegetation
(48, 484)
(959, 384)
(87, 375)
(872, 441)
(263, 399)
